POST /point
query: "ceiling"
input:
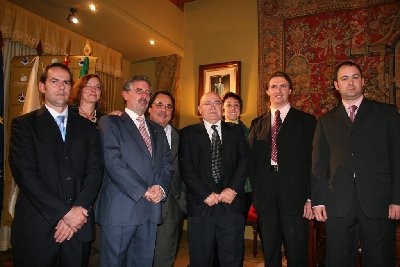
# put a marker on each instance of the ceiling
(124, 25)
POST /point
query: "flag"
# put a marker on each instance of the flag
(85, 67)
(1, 132)
(32, 102)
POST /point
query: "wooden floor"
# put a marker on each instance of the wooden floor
(181, 261)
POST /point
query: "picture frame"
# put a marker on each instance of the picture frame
(220, 78)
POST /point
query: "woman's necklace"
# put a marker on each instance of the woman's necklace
(92, 116)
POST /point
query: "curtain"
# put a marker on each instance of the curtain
(27, 28)
(10, 50)
(168, 78)
(109, 91)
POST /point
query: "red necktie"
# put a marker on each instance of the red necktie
(353, 109)
(275, 131)
(144, 133)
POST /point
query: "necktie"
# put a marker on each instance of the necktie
(144, 133)
(352, 112)
(216, 155)
(275, 131)
(60, 122)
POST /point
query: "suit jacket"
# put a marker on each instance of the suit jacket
(365, 153)
(52, 175)
(177, 192)
(130, 170)
(294, 161)
(195, 168)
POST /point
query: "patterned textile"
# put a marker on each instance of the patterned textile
(275, 131)
(144, 133)
(309, 39)
(216, 155)
(60, 122)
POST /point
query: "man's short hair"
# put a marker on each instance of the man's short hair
(346, 63)
(283, 75)
(45, 74)
(163, 93)
(134, 78)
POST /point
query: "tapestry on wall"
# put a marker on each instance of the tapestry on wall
(309, 40)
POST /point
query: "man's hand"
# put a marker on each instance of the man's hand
(63, 232)
(212, 199)
(227, 195)
(75, 218)
(320, 213)
(154, 194)
(394, 212)
(308, 212)
(116, 112)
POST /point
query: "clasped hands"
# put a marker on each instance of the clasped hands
(226, 196)
(70, 223)
(154, 194)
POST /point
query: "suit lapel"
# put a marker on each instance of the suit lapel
(265, 131)
(174, 142)
(153, 137)
(130, 126)
(363, 112)
(48, 124)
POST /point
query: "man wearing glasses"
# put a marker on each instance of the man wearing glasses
(212, 162)
(137, 176)
(161, 110)
(56, 161)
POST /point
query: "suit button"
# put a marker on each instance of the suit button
(68, 179)
(65, 157)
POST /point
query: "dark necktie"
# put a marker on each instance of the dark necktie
(144, 134)
(216, 157)
(275, 131)
(353, 109)
(61, 126)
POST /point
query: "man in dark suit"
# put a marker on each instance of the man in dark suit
(56, 161)
(281, 145)
(356, 174)
(161, 110)
(138, 173)
(214, 175)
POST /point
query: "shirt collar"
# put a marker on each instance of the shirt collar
(54, 113)
(357, 103)
(133, 115)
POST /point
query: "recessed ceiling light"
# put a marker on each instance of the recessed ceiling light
(92, 7)
(152, 42)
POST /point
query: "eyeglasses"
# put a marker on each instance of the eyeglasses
(160, 105)
(96, 87)
(140, 91)
(216, 103)
(57, 83)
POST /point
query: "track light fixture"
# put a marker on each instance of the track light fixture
(71, 16)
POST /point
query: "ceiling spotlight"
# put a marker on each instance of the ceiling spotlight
(71, 16)
(152, 42)
(92, 7)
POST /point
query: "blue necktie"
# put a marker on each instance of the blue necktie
(60, 122)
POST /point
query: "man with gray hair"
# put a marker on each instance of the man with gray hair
(137, 175)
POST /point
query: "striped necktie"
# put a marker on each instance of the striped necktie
(144, 133)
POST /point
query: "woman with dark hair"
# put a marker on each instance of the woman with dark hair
(87, 97)
(232, 107)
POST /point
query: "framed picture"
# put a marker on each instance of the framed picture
(220, 78)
